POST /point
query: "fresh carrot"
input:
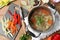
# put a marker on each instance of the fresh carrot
(50, 22)
(9, 23)
(12, 27)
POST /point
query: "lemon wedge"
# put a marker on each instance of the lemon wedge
(4, 2)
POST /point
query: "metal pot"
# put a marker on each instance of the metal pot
(30, 14)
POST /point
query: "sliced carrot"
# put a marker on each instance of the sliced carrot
(49, 38)
(12, 27)
(50, 22)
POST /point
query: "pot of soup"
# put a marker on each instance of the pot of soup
(41, 19)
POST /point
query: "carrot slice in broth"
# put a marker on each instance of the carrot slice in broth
(46, 12)
(50, 22)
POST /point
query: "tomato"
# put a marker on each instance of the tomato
(56, 37)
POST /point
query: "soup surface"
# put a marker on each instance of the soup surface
(41, 19)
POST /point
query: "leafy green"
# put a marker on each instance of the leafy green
(25, 37)
(39, 20)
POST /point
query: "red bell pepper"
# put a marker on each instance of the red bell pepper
(16, 17)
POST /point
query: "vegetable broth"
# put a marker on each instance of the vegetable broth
(41, 19)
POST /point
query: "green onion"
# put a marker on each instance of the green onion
(25, 37)
(39, 20)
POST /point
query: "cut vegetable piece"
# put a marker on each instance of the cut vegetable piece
(50, 22)
(12, 27)
(49, 38)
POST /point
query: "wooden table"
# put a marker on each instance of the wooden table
(2, 13)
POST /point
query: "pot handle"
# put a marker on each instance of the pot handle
(51, 5)
(27, 30)
(32, 34)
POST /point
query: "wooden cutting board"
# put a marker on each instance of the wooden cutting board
(3, 37)
(21, 32)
